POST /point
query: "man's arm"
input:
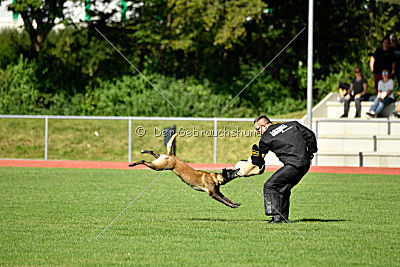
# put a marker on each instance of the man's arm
(257, 158)
(263, 148)
(379, 90)
(365, 87)
(351, 87)
(349, 92)
(388, 94)
(371, 63)
(391, 84)
(393, 64)
(309, 138)
(393, 67)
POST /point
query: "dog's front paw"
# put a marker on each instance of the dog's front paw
(132, 164)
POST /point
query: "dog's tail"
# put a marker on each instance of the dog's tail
(169, 145)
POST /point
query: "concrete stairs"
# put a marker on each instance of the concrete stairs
(329, 107)
(368, 142)
(336, 109)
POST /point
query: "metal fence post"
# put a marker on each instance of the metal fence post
(375, 143)
(316, 136)
(360, 154)
(215, 140)
(130, 140)
(46, 135)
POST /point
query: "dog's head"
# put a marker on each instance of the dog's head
(229, 174)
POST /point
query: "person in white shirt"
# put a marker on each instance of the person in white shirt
(396, 113)
(385, 95)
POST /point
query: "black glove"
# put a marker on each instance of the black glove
(310, 153)
(256, 158)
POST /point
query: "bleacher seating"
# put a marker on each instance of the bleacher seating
(368, 142)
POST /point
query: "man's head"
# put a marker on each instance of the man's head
(385, 75)
(357, 71)
(385, 43)
(261, 123)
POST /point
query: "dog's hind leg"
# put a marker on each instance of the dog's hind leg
(136, 163)
(151, 153)
(157, 166)
(148, 164)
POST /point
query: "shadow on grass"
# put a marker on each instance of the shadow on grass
(221, 220)
(254, 220)
(319, 220)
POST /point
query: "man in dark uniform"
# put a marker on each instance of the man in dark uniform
(294, 145)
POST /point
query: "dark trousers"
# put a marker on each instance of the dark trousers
(347, 106)
(277, 189)
(358, 104)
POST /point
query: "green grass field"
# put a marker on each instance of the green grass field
(52, 216)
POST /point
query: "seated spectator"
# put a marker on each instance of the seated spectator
(357, 92)
(396, 113)
(343, 90)
(385, 95)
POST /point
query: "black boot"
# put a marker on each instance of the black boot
(276, 219)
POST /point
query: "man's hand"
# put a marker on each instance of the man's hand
(256, 157)
(311, 153)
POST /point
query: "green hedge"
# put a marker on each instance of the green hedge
(80, 75)
(19, 94)
(132, 95)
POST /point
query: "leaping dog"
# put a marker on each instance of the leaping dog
(198, 180)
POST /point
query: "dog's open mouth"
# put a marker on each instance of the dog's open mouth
(229, 174)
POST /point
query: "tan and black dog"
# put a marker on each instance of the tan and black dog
(198, 180)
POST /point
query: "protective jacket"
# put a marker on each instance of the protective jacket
(292, 143)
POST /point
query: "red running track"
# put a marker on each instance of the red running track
(201, 166)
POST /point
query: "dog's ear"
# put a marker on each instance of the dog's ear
(169, 145)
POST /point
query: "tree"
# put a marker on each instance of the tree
(188, 37)
(39, 16)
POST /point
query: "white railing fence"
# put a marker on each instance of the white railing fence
(129, 120)
(317, 123)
